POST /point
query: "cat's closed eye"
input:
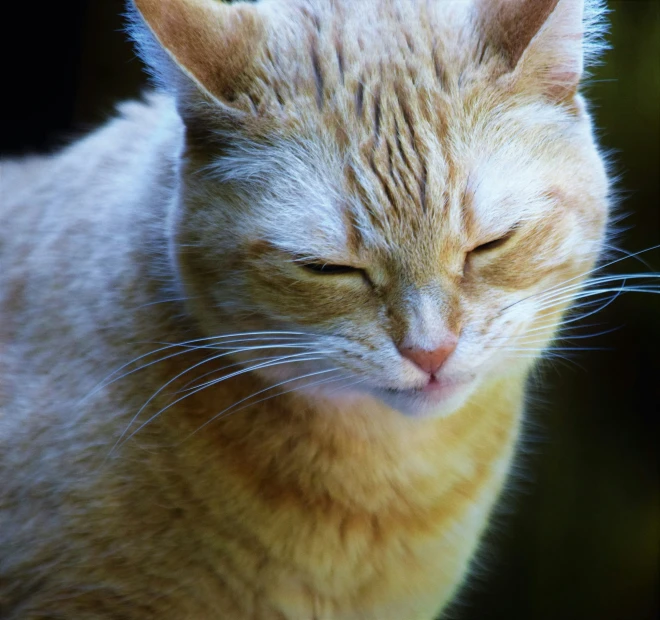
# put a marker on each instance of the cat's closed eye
(494, 244)
(327, 269)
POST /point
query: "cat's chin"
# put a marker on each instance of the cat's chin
(432, 401)
(426, 403)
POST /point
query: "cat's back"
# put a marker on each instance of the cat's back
(63, 213)
(92, 176)
(76, 233)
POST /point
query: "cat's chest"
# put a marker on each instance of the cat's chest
(340, 567)
(305, 528)
(307, 559)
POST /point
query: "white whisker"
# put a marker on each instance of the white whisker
(350, 385)
(119, 443)
(553, 349)
(566, 338)
(600, 291)
(594, 282)
(627, 254)
(205, 361)
(583, 316)
(105, 383)
(189, 385)
(583, 275)
(232, 407)
(293, 356)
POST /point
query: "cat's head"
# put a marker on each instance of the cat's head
(396, 183)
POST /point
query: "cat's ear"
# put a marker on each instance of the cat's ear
(202, 45)
(543, 43)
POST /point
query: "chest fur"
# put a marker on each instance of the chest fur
(374, 531)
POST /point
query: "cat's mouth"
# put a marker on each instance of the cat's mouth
(438, 394)
(434, 386)
(437, 385)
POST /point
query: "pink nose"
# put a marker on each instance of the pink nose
(430, 361)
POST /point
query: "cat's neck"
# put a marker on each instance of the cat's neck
(351, 450)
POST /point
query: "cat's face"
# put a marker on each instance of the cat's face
(398, 207)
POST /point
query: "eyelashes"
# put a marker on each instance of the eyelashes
(495, 243)
(490, 245)
(483, 250)
(327, 269)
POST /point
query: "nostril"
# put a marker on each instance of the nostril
(429, 360)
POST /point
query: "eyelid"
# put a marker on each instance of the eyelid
(323, 268)
(495, 243)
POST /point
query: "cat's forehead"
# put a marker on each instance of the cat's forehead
(393, 88)
(392, 136)
(411, 202)
(342, 56)
(461, 169)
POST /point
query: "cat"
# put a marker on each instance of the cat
(265, 336)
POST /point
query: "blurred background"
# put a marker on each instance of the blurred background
(577, 533)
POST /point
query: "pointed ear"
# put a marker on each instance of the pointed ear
(542, 42)
(206, 42)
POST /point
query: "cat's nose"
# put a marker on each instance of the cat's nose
(430, 360)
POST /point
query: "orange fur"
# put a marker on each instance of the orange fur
(296, 134)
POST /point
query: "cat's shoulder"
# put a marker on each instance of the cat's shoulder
(88, 209)
(126, 134)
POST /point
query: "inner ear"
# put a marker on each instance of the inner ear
(540, 41)
(213, 44)
(508, 26)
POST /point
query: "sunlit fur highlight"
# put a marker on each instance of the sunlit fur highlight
(395, 138)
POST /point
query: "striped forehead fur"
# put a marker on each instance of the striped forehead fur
(373, 94)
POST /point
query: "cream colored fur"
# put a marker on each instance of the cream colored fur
(392, 136)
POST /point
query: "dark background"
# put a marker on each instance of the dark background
(578, 533)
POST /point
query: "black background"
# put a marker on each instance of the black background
(577, 534)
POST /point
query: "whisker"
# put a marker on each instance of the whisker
(583, 275)
(224, 343)
(168, 346)
(563, 327)
(614, 262)
(581, 306)
(189, 385)
(344, 387)
(279, 361)
(627, 254)
(205, 361)
(220, 379)
(230, 335)
(553, 349)
(568, 338)
(574, 292)
(162, 301)
(546, 326)
(105, 383)
(232, 409)
(601, 291)
(564, 359)
(595, 282)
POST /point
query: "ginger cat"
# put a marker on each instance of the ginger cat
(264, 338)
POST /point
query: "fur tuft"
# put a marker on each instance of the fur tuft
(596, 29)
(162, 71)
